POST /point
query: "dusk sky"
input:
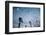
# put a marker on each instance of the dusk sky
(27, 14)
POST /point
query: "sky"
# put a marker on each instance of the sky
(27, 14)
